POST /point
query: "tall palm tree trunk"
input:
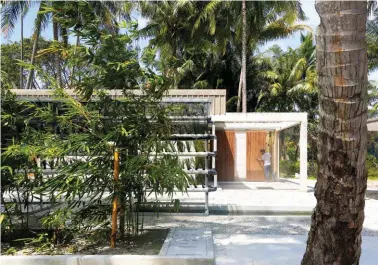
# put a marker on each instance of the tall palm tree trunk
(36, 34)
(335, 234)
(57, 56)
(244, 56)
(73, 66)
(22, 49)
(34, 52)
(238, 107)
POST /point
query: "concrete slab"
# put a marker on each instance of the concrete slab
(243, 249)
(189, 242)
(281, 197)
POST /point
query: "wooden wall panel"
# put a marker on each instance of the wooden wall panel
(225, 159)
(256, 140)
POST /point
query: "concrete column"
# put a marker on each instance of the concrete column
(276, 154)
(303, 155)
(240, 154)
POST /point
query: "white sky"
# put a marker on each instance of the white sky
(293, 41)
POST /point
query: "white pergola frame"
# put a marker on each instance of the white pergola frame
(270, 122)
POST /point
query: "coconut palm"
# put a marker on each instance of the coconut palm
(11, 11)
(168, 27)
(335, 233)
(293, 79)
(53, 11)
(243, 72)
(266, 21)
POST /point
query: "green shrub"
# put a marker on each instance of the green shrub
(372, 166)
(288, 168)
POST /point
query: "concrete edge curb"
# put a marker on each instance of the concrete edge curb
(167, 242)
(104, 260)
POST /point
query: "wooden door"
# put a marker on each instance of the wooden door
(225, 159)
(255, 142)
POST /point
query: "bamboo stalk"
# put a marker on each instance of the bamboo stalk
(115, 200)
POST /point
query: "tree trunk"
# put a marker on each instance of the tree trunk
(36, 34)
(244, 56)
(335, 234)
(22, 50)
(73, 66)
(238, 107)
(57, 56)
(34, 52)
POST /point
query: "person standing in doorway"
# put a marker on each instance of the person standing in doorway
(267, 164)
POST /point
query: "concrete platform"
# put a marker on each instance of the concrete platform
(258, 198)
(245, 249)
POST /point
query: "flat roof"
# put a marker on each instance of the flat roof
(268, 121)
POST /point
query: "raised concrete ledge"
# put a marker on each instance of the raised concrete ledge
(105, 260)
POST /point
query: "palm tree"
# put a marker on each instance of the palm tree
(183, 55)
(266, 21)
(243, 72)
(40, 23)
(292, 79)
(22, 49)
(105, 10)
(10, 13)
(335, 233)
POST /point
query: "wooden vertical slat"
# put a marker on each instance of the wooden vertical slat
(256, 140)
(225, 159)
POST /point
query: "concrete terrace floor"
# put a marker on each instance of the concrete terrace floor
(284, 192)
(265, 240)
(273, 195)
(248, 249)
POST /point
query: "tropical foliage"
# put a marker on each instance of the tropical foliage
(76, 138)
(191, 45)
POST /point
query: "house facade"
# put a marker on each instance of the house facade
(239, 136)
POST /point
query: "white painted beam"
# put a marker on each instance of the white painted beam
(261, 117)
(268, 126)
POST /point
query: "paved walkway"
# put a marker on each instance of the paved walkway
(189, 242)
(265, 240)
(245, 249)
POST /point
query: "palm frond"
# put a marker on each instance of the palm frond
(10, 14)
